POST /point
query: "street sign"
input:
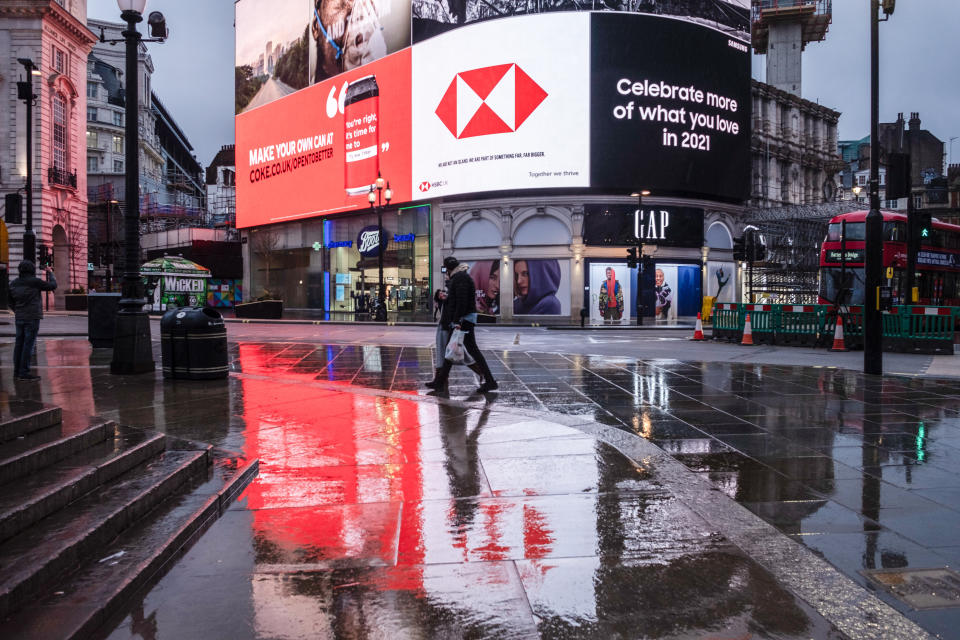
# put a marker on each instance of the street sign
(889, 273)
(89, 266)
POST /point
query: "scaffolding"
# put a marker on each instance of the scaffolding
(790, 273)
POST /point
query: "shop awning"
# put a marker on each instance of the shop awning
(174, 266)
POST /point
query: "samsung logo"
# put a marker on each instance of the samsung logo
(739, 46)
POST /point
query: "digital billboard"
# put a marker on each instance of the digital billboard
(433, 17)
(502, 114)
(282, 47)
(605, 102)
(670, 110)
(320, 149)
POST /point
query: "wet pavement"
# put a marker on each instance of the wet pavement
(545, 509)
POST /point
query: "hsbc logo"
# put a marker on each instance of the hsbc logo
(490, 100)
(424, 187)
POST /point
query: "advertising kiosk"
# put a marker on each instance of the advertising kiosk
(172, 281)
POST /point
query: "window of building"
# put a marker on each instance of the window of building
(918, 201)
(892, 204)
(92, 114)
(59, 132)
(118, 166)
(91, 140)
(93, 163)
(118, 144)
(118, 118)
(59, 60)
(92, 90)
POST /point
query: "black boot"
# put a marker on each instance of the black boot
(439, 382)
(436, 377)
(483, 369)
(477, 369)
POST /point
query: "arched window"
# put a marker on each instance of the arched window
(60, 133)
(718, 236)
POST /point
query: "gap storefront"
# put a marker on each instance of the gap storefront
(667, 284)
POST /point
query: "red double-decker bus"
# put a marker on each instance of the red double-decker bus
(938, 260)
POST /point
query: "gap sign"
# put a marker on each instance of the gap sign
(624, 225)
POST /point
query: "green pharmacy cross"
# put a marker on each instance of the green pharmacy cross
(317, 246)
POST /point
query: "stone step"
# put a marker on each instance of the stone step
(45, 447)
(61, 541)
(33, 497)
(85, 600)
(20, 417)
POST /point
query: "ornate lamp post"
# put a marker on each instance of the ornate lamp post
(25, 93)
(379, 192)
(132, 348)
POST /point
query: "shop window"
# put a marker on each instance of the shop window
(540, 230)
(477, 233)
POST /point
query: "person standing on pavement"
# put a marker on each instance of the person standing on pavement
(460, 312)
(28, 311)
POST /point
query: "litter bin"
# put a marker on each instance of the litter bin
(102, 318)
(193, 344)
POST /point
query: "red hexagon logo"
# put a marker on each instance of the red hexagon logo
(490, 100)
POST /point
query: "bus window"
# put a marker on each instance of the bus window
(855, 231)
(893, 231)
(830, 284)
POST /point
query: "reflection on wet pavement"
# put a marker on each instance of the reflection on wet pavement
(388, 512)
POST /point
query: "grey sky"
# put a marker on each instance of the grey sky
(919, 58)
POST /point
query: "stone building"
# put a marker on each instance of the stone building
(55, 37)
(794, 149)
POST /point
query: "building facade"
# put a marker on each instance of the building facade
(532, 191)
(106, 149)
(793, 148)
(54, 35)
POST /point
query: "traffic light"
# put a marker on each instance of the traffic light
(898, 176)
(739, 249)
(13, 211)
(923, 226)
(45, 260)
(756, 250)
(632, 257)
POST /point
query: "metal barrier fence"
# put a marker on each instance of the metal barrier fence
(906, 328)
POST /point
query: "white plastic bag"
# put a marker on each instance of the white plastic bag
(456, 353)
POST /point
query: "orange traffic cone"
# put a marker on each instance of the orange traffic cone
(838, 336)
(698, 332)
(747, 333)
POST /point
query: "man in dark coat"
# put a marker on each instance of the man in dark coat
(459, 311)
(27, 308)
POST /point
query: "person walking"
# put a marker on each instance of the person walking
(28, 311)
(459, 311)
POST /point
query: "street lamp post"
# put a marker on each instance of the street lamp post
(873, 260)
(25, 93)
(132, 347)
(639, 310)
(380, 192)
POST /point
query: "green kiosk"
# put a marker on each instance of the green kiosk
(173, 281)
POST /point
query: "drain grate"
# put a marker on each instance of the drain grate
(919, 588)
